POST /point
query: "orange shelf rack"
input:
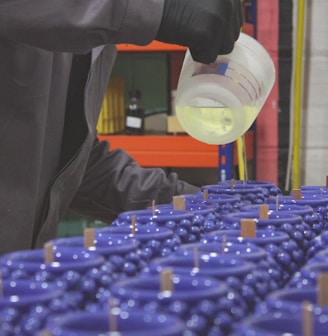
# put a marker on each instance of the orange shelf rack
(173, 150)
(153, 46)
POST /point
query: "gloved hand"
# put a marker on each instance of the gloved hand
(207, 27)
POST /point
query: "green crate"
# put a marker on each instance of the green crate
(70, 228)
(73, 225)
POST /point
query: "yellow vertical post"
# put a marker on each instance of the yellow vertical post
(298, 85)
(242, 159)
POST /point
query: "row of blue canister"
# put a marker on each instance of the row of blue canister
(221, 280)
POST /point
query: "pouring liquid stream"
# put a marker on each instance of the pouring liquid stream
(244, 159)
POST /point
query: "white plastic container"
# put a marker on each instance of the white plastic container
(217, 103)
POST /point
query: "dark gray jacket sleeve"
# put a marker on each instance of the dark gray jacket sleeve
(77, 26)
(114, 182)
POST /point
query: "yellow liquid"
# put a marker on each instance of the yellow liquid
(216, 125)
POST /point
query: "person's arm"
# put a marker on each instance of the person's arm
(207, 27)
(77, 26)
(114, 182)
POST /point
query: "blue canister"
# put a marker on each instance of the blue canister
(308, 275)
(291, 301)
(121, 255)
(313, 221)
(266, 270)
(248, 194)
(283, 251)
(269, 188)
(204, 220)
(319, 203)
(286, 222)
(239, 275)
(154, 241)
(122, 323)
(179, 221)
(205, 305)
(279, 324)
(26, 306)
(82, 273)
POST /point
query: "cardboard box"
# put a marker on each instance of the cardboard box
(173, 125)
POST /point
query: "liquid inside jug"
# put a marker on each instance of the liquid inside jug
(218, 103)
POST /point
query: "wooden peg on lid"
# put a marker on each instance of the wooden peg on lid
(89, 237)
(277, 203)
(327, 181)
(248, 228)
(297, 194)
(166, 281)
(224, 243)
(232, 184)
(264, 211)
(48, 252)
(133, 224)
(179, 203)
(323, 289)
(113, 328)
(307, 320)
(153, 207)
(205, 194)
(196, 257)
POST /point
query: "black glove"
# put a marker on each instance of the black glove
(207, 27)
